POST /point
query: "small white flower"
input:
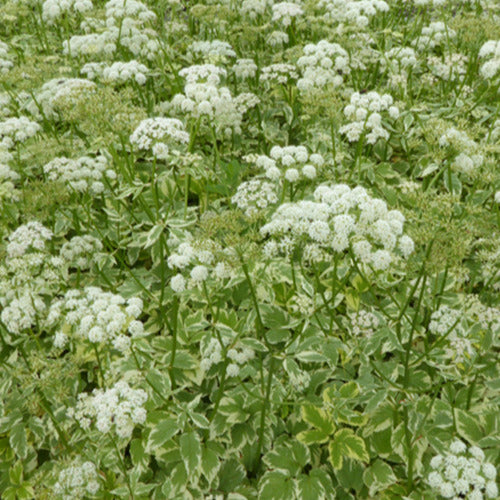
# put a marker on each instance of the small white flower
(178, 283)
(199, 274)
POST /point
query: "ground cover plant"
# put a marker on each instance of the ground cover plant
(249, 249)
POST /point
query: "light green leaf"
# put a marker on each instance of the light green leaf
(231, 475)
(310, 357)
(378, 476)
(190, 451)
(318, 418)
(199, 420)
(468, 427)
(276, 485)
(209, 463)
(312, 437)
(310, 488)
(162, 432)
(347, 444)
(349, 390)
(138, 454)
(18, 441)
(16, 473)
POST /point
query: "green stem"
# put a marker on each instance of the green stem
(263, 412)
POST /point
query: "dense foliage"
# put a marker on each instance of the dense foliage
(249, 249)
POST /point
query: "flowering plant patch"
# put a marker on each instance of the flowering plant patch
(249, 249)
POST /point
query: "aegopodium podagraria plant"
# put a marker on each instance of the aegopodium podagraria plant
(253, 246)
(365, 114)
(96, 316)
(339, 219)
(77, 481)
(17, 130)
(197, 261)
(159, 135)
(116, 410)
(83, 174)
(292, 163)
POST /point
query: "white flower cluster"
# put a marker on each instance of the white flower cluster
(83, 174)
(120, 408)
(364, 111)
(341, 218)
(205, 99)
(212, 354)
(125, 26)
(203, 73)
(54, 10)
(28, 268)
(254, 8)
(459, 346)
(399, 59)
(118, 10)
(56, 92)
(292, 162)
(448, 67)
(118, 72)
(286, 12)
(77, 481)
(478, 313)
(96, 316)
(7, 179)
(465, 151)
(364, 323)
(200, 258)
(323, 63)
(491, 51)
(433, 36)
(358, 12)
(463, 327)
(159, 135)
(463, 473)
(444, 320)
(14, 130)
(81, 251)
(277, 38)
(245, 68)
(254, 196)
(5, 63)
(21, 313)
(30, 236)
(280, 73)
(213, 51)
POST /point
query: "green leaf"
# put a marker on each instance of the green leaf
(452, 183)
(318, 418)
(310, 488)
(277, 335)
(18, 441)
(190, 451)
(209, 463)
(468, 427)
(380, 419)
(16, 473)
(347, 444)
(276, 485)
(378, 477)
(199, 420)
(138, 454)
(312, 437)
(349, 390)
(281, 459)
(162, 432)
(310, 357)
(231, 475)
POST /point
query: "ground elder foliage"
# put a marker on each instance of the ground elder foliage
(249, 249)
